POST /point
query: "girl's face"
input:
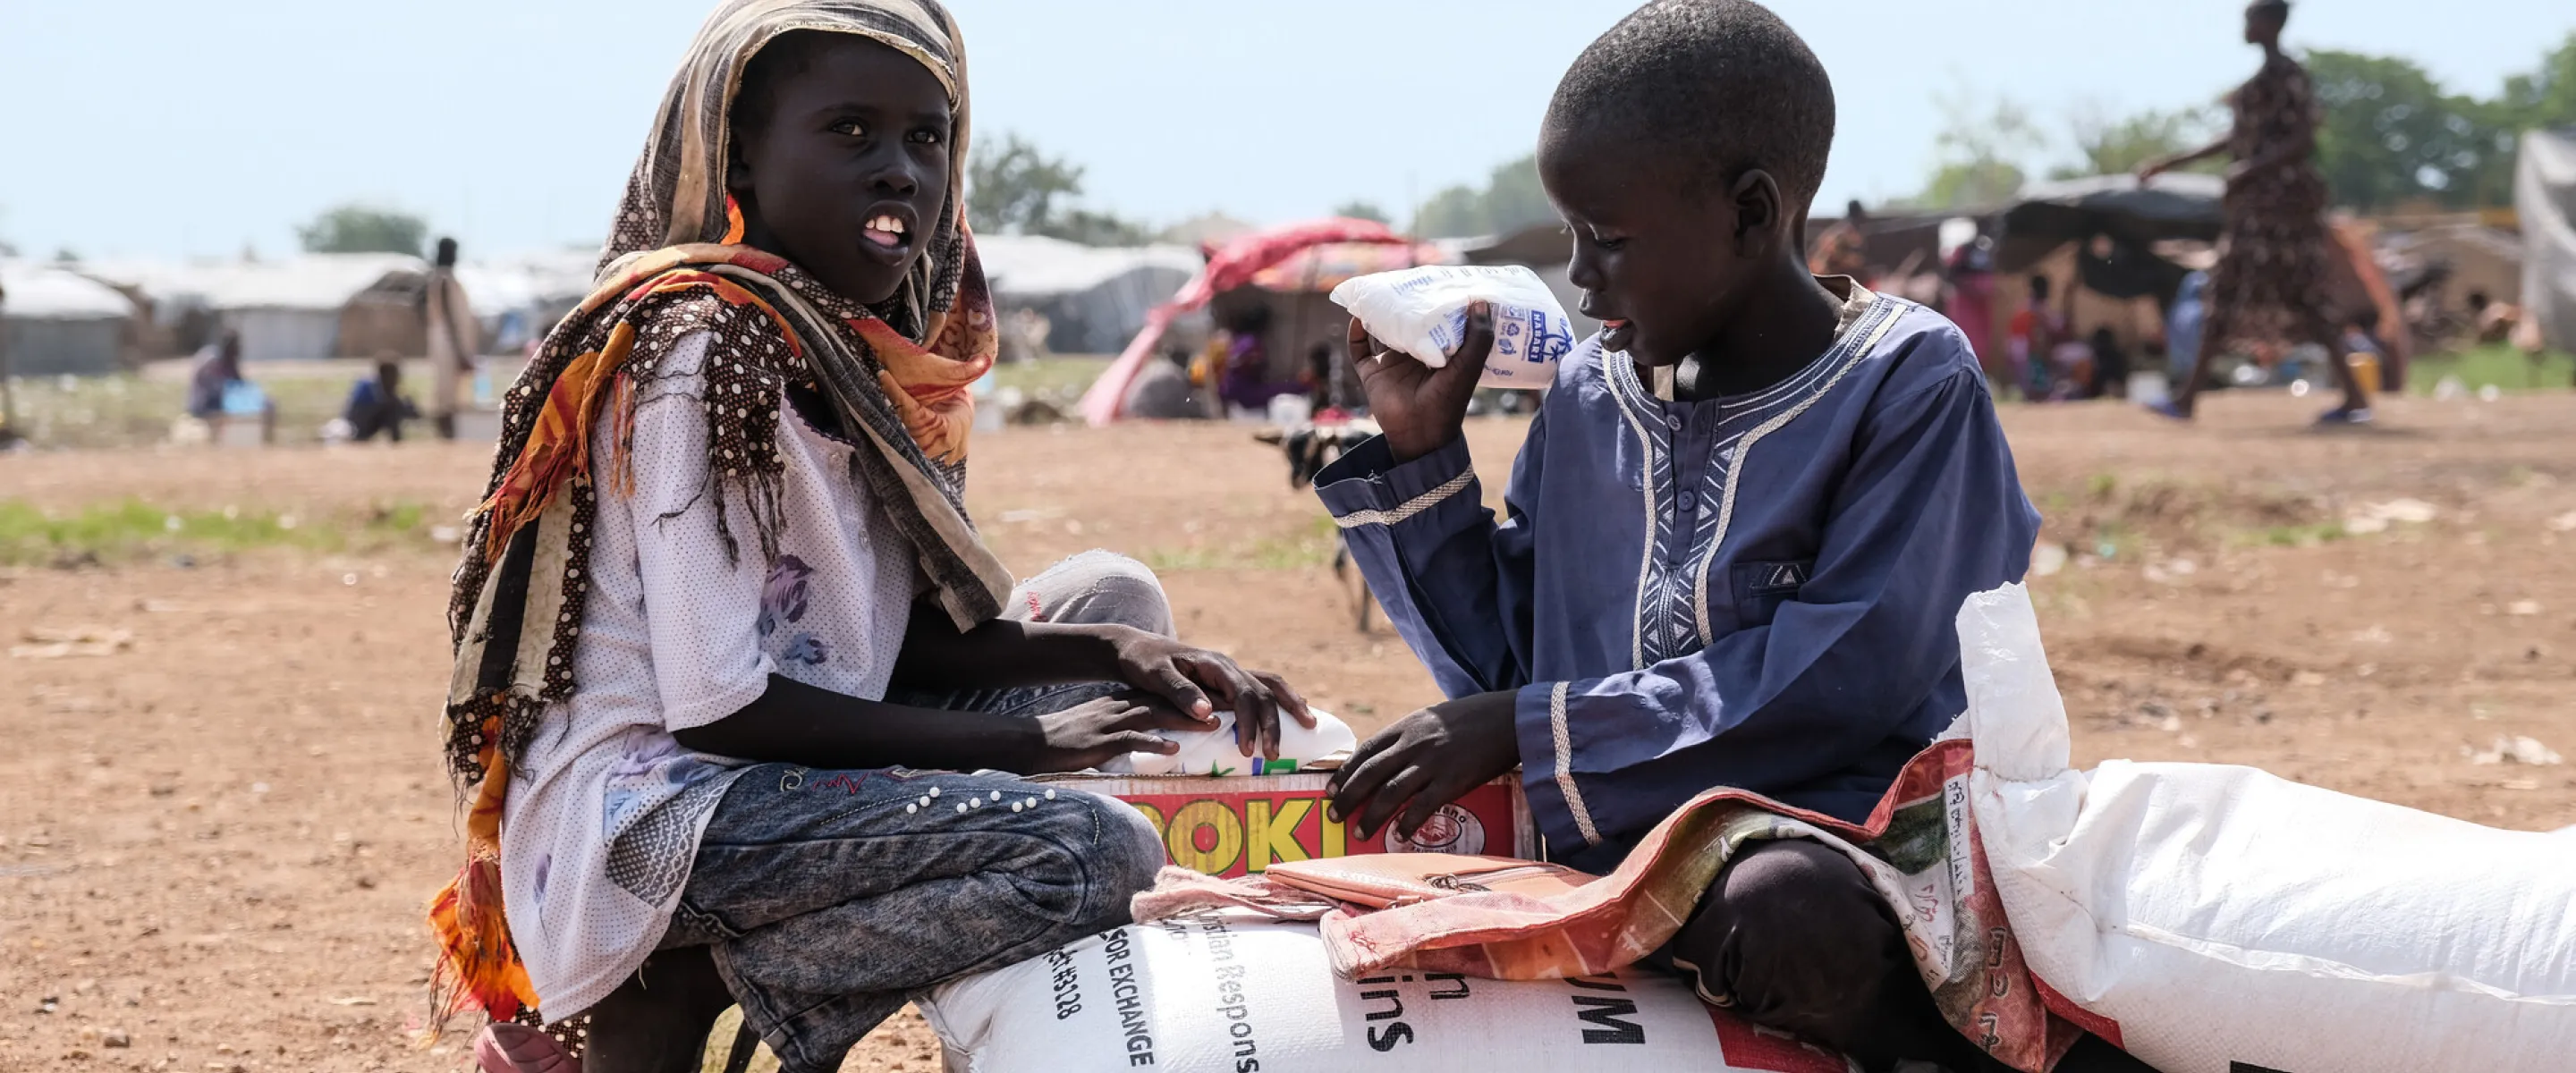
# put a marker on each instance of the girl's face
(845, 169)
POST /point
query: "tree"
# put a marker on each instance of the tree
(2106, 146)
(2391, 135)
(1015, 188)
(1095, 229)
(2545, 98)
(1362, 210)
(364, 229)
(1012, 187)
(1981, 150)
(1512, 198)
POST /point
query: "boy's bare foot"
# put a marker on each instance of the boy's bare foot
(658, 1020)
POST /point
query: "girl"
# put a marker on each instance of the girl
(724, 632)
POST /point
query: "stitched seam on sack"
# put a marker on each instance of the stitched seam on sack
(1565, 765)
(2313, 966)
(1411, 507)
(2283, 961)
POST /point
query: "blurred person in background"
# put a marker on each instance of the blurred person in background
(1842, 250)
(376, 405)
(2183, 324)
(2270, 282)
(2032, 338)
(1245, 379)
(218, 389)
(450, 321)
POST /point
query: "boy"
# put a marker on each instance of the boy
(376, 406)
(745, 699)
(1738, 533)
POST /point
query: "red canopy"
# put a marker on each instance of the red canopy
(1232, 265)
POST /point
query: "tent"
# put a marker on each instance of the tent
(2177, 205)
(2544, 196)
(2113, 234)
(1095, 298)
(290, 310)
(54, 322)
(1290, 269)
(518, 299)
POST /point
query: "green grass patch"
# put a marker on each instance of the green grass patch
(1311, 546)
(2294, 536)
(131, 411)
(134, 529)
(2494, 364)
(1057, 379)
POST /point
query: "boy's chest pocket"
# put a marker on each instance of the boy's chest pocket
(1761, 587)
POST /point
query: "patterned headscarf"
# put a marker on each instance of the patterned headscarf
(896, 374)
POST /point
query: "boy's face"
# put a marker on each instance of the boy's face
(1660, 266)
(849, 172)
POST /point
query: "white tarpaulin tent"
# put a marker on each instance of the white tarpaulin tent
(2544, 196)
(57, 321)
(1095, 298)
(287, 310)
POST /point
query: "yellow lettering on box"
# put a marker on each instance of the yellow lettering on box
(1274, 838)
(1182, 838)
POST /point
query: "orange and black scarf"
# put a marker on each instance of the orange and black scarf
(896, 375)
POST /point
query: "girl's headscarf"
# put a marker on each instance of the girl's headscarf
(896, 373)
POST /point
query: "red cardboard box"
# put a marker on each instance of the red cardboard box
(1231, 825)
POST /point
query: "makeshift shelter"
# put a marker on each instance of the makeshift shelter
(2111, 237)
(1288, 270)
(1094, 298)
(2472, 258)
(56, 322)
(2544, 196)
(519, 299)
(300, 309)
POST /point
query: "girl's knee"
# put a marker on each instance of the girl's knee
(1102, 588)
(1127, 852)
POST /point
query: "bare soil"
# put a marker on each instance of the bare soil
(216, 841)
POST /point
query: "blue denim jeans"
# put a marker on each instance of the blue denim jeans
(830, 898)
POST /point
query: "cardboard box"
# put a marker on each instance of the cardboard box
(1235, 824)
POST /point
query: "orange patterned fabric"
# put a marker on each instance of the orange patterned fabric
(895, 373)
(928, 391)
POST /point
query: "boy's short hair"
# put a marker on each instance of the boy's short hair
(1725, 82)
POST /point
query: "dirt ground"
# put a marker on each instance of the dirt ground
(216, 840)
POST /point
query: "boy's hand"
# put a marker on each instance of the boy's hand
(1428, 758)
(1089, 734)
(1422, 408)
(1187, 677)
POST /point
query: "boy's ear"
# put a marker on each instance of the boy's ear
(1758, 209)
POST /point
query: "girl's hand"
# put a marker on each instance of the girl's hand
(1090, 734)
(1197, 682)
(1421, 408)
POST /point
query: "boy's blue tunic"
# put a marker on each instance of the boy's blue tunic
(1756, 591)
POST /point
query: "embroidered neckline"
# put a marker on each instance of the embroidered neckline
(1671, 613)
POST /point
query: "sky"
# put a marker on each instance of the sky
(180, 128)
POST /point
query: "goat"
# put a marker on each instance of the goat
(1310, 448)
